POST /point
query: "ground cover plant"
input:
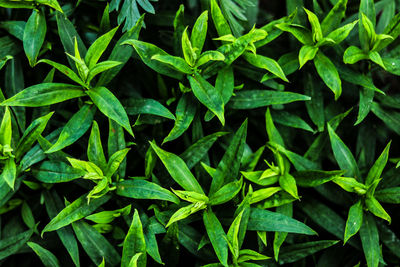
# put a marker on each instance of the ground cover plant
(199, 133)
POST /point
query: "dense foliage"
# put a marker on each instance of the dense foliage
(199, 133)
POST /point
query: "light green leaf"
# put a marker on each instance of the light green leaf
(370, 240)
(265, 63)
(199, 32)
(134, 243)
(307, 52)
(354, 221)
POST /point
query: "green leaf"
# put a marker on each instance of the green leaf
(176, 63)
(336, 14)
(95, 245)
(95, 151)
(185, 212)
(315, 178)
(343, 155)
(115, 161)
(376, 170)
(307, 52)
(291, 120)
(53, 205)
(209, 56)
(74, 128)
(185, 111)
(6, 128)
(178, 170)
(64, 70)
(353, 54)
(370, 240)
(249, 99)
(265, 63)
(98, 47)
(328, 73)
(273, 133)
(11, 245)
(68, 34)
(9, 173)
(388, 195)
(74, 211)
(220, 23)
(354, 221)
(315, 25)
(207, 95)
(264, 220)
(108, 216)
(137, 106)
(196, 152)
(199, 32)
(280, 237)
(44, 94)
(263, 193)
(339, 34)
(226, 193)
(366, 29)
(376, 208)
(302, 34)
(188, 52)
(134, 243)
(34, 34)
(296, 252)
(216, 235)
(232, 236)
(228, 167)
(250, 255)
(101, 67)
(146, 51)
(110, 106)
(56, 172)
(142, 189)
(366, 98)
(51, 3)
(48, 259)
(121, 53)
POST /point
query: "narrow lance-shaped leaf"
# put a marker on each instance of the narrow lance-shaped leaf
(110, 106)
(48, 259)
(370, 240)
(178, 170)
(34, 34)
(95, 151)
(228, 167)
(44, 94)
(207, 95)
(134, 243)
(328, 73)
(142, 189)
(95, 244)
(75, 211)
(343, 155)
(249, 99)
(217, 236)
(376, 170)
(98, 47)
(185, 111)
(354, 221)
(75, 128)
